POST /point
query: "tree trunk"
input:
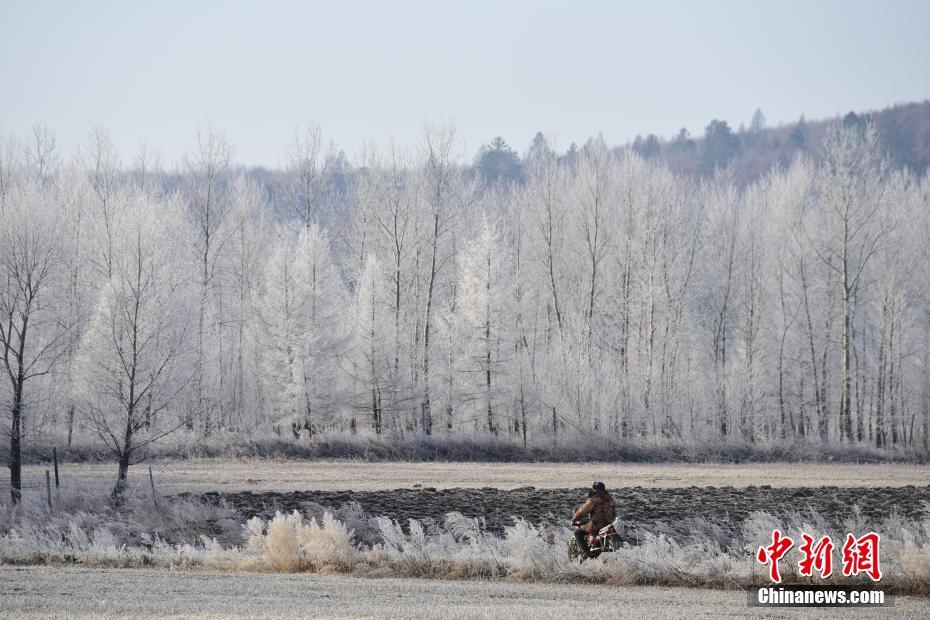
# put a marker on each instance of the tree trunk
(426, 418)
(70, 423)
(880, 385)
(122, 473)
(16, 412)
(16, 459)
(845, 399)
(126, 452)
(491, 426)
(487, 340)
(375, 411)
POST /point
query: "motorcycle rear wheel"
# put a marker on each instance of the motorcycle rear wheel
(574, 551)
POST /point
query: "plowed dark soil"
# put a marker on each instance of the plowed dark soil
(649, 508)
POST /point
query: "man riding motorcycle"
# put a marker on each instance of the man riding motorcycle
(600, 506)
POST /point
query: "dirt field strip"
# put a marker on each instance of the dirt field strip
(43, 592)
(226, 475)
(654, 509)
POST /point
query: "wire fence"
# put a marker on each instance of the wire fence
(49, 479)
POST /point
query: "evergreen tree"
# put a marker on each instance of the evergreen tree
(682, 141)
(720, 146)
(799, 134)
(498, 162)
(647, 147)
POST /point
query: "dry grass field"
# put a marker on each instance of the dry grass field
(262, 475)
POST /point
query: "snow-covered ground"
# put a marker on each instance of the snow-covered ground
(42, 592)
(201, 475)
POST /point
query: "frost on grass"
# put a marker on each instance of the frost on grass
(290, 543)
(187, 532)
(92, 529)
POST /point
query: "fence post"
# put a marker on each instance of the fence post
(152, 482)
(48, 489)
(55, 459)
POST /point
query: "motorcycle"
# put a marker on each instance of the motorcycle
(605, 540)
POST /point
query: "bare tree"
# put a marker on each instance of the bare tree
(43, 159)
(858, 219)
(486, 298)
(242, 272)
(9, 161)
(544, 191)
(372, 356)
(207, 170)
(33, 329)
(131, 357)
(722, 258)
(104, 170)
(309, 159)
(439, 179)
(387, 194)
(596, 206)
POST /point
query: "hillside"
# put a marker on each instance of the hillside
(904, 133)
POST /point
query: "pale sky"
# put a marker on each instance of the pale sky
(155, 72)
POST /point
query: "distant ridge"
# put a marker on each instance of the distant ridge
(904, 133)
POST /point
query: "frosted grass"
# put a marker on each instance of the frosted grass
(91, 531)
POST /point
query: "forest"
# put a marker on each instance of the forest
(750, 152)
(404, 295)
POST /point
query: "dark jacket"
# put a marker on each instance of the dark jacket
(601, 508)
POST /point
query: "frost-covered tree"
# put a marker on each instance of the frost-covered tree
(371, 361)
(103, 175)
(302, 312)
(320, 307)
(42, 155)
(595, 199)
(242, 277)
(133, 362)
(10, 160)
(310, 159)
(34, 326)
(856, 218)
(486, 299)
(280, 335)
(606, 295)
(444, 194)
(393, 203)
(207, 170)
